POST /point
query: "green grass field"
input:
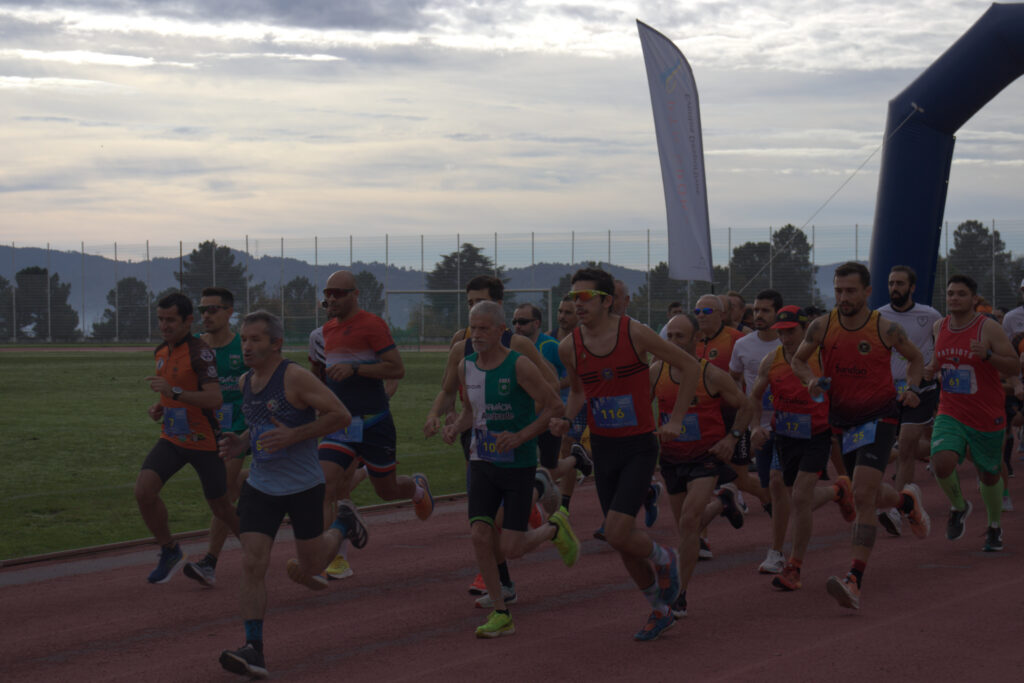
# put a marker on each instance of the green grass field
(75, 431)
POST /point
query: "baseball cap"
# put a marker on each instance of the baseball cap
(789, 316)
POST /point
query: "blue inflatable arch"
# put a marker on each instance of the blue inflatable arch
(918, 153)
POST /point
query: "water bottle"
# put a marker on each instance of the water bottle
(823, 383)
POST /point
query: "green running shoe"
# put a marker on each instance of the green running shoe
(565, 540)
(497, 625)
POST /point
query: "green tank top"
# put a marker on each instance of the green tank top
(499, 404)
(229, 368)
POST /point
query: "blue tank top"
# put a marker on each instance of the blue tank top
(288, 471)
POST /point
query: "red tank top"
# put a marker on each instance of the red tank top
(718, 349)
(703, 426)
(793, 401)
(858, 361)
(617, 386)
(971, 391)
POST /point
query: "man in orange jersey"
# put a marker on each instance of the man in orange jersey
(971, 352)
(856, 344)
(606, 361)
(803, 440)
(186, 379)
(694, 464)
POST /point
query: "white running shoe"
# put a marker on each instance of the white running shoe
(773, 564)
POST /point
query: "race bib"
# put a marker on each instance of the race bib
(259, 453)
(612, 412)
(856, 437)
(224, 417)
(690, 430)
(487, 447)
(176, 422)
(351, 434)
(793, 425)
(901, 386)
(957, 380)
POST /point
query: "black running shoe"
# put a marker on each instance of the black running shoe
(679, 606)
(245, 661)
(730, 510)
(355, 530)
(993, 540)
(955, 526)
(583, 462)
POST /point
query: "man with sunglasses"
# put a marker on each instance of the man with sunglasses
(606, 358)
(216, 307)
(360, 354)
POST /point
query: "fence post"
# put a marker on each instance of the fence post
(993, 263)
(458, 280)
(316, 295)
(771, 266)
(572, 249)
(728, 282)
(117, 301)
(495, 254)
(387, 272)
(945, 307)
(49, 311)
(149, 295)
(423, 298)
(856, 242)
(650, 294)
(82, 281)
(14, 298)
(280, 288)
(213, 262)
(248, 257)
(609, 247)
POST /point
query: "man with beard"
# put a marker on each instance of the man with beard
(915, 423)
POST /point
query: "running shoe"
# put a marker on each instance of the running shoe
(316, 582)
(497, 625)
(651, 504)
(845, 591)
(565, 540)
(508, 594)
(705, 550)
(339, 568)
(169, 559)
(536, 518)
(773, 563)
(351, 522)
(844, 498)
(583, 462)
(993, 540)
(478, 587)
(920, 522)
(788, 580)
(202, 572)
(668, 577)
(549, 497)
(1007, 503)
(955, 527)
(742, 503)
(599, 534)
(679, 606)
(425, 506)
(891, 521)
(245, 661)
(730, 510)
(656, 624)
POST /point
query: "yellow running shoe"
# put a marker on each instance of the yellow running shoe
(339, 568)
(497, 625)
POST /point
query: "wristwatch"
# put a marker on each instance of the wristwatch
(736, 433)
(176, 393)
(355, 369)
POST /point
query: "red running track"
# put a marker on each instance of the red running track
(932, 610)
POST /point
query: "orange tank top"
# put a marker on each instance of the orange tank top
(858, 361)
(703, 426)
(796, 414)
(718, 349)
(616, 385)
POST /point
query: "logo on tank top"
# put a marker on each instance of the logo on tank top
(235, 361)
(159, 363)
(207, 355)
(272, 405)
(607, 374)
(713, 353)
(504, 386)
(864, 348)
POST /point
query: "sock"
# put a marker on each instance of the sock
(343, 547)
(503, 574)
(418, 494)
(951, 487)
(210, 561)
(992, 496)
(653, 593)
(906, 504)
(337, 524)
(660, 556)
(857, 570)
(254, 633)
(565, 501)
(503, 611)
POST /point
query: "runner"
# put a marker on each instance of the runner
(917, 321)
(803, 440)
(695, 463)
(216, 307)
(971, 351)
(747, 354)
(286, 409)
(501, 388)
(186, 379)
(856, 344)
(566, 320)
(605, 358)
(360, 355)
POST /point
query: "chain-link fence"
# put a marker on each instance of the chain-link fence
(101, 292)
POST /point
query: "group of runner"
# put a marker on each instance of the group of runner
(790, 396)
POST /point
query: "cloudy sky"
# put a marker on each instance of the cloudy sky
(129, 120)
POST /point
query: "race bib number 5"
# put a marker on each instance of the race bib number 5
(612, 412)
(259, 451)
(487, 447)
